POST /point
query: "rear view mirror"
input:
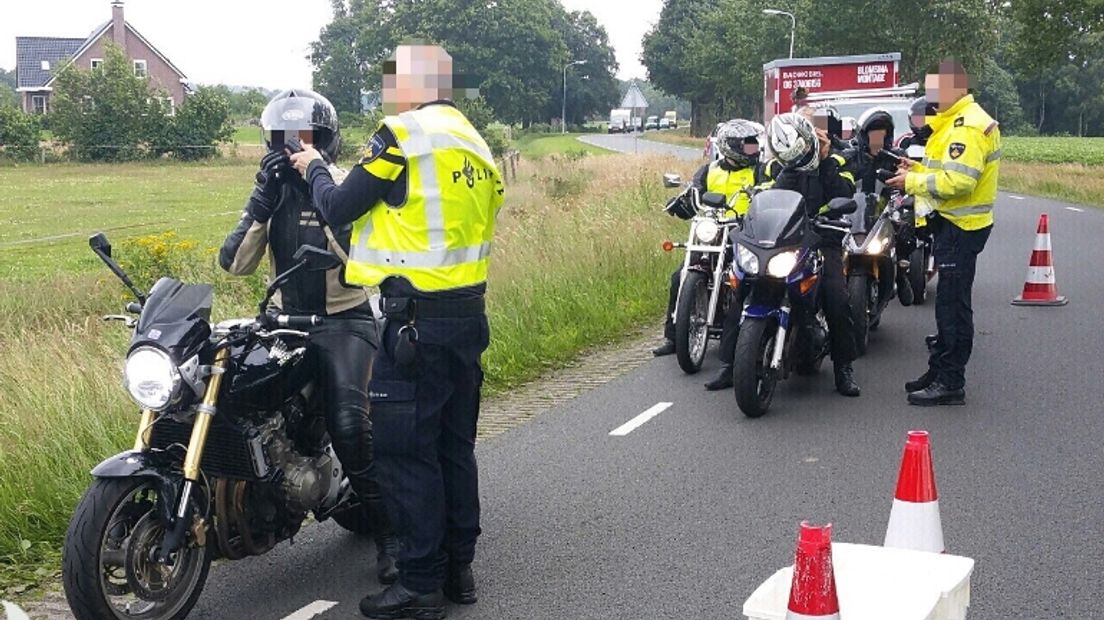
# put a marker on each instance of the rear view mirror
(715, 200)
(99, 244)
(671, 180)
(842, 206)
(316, 259)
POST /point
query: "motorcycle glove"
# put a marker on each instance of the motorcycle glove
(265, 198)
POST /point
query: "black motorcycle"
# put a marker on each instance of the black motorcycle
(231, 452)
(870, 261)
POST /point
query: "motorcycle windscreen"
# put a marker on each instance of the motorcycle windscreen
(776, 217)
(176, 317)
(863, 217)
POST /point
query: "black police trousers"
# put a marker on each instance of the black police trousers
(341, 352)
(956, 253)
(424, 414)
(836, 303)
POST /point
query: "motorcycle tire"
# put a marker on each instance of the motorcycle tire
(752, 378)
(691, 329)
(355, 520)
(918, 277)
(858, 291)
(83, 562)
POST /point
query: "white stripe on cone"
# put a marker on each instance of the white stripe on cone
(793, 615)
(1040, 275)
(915, 526)
(1042, 241)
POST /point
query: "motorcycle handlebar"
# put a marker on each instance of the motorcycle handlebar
(298, 322)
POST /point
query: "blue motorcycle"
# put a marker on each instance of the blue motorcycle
(783, 328)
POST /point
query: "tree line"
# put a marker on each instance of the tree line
(513, 51)
(1038, 64)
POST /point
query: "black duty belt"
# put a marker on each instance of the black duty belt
(411, 308)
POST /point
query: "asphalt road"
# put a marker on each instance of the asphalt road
(633, 143)
(688, 513)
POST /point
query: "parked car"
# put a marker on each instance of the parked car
(651, 123)
(664, 123)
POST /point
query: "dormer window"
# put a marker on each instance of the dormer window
(140, 68)
(45, 65)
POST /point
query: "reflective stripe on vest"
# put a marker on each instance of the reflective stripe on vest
(390, 241)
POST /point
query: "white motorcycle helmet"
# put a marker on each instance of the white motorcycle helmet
(793, 141)
(733, 135)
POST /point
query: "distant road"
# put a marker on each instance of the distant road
(632, 143)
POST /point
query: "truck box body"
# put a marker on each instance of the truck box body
(866, 72)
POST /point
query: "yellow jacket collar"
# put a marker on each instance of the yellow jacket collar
(938, 121)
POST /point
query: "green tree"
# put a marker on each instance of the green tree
(18, 134)
(668, 57)
(592, 87)
(201, 124)
(109, 113)
(8, 96)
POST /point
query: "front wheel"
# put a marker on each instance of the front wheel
(752, 376)
(858, 293)
(691, 322)
(108, 565)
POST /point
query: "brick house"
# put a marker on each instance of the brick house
(39, 59)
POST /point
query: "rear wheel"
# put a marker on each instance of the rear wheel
(858, 292)
(918, 275)
(691, 322)
(752, 377)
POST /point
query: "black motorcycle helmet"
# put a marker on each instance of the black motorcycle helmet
(920, 109)
(875, 119)
(299, 109)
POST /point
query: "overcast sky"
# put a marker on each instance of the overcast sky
(255, 42)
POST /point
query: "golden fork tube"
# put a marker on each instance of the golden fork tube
(204, 416)
(142, 441)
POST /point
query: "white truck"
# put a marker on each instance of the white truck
(619, 121)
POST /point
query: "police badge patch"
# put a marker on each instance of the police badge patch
(956, 150)
(376, 147)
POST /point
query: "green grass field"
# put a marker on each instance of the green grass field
(252, 135)
(541, 145)
(577, 265)
(1049, 150)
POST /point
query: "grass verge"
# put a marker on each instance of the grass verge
(679, 137)
(577, 265)
(1068, 182)
(536, 146)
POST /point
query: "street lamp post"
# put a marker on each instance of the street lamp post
(563, 110)
(793, 24)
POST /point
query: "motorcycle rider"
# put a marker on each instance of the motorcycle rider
(810, 168)
(278, 218)
(865, 158)
(738, 142)
(920, 130)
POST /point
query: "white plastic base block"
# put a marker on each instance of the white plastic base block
(880, 583)
(915, 526)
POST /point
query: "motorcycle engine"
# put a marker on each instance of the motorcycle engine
(308, 482)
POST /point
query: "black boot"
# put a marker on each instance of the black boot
(937, 394)
(845, 380)
(460, 585)
(930, 341)
(667, 348)
(722, 381)
(398, 602)
(923, 382)
(387, 553)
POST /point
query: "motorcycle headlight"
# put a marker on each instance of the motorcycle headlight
(781, 265)
(748, 261)
(706, 231)
(875, 246)
(151, 377)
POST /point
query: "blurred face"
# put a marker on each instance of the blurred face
(948, 85)
(414, 75)
(877, 140)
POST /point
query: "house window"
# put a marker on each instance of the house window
(38, 104)
(96, 63)
(168, 105)
(45, 65)
(140, 68)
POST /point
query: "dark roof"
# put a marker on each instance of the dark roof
(31, 51)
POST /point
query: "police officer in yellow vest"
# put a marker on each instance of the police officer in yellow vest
(423, 203)
(738, 143)
(959, 177)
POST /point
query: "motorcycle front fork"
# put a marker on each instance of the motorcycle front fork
(205, 413)
(780, 336)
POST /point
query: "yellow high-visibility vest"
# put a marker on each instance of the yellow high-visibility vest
(440, 237)
(730, 183)
(961, 165)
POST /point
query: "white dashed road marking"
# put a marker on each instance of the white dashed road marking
(1016, 197)
(639, 420)
(1075, 209)
(310, 611)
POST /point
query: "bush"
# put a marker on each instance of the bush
(18, 134)
(200, 124)
(495, 136)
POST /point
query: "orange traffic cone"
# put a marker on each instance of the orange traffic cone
(914, 519)
(1040, 288)
(813, 592)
